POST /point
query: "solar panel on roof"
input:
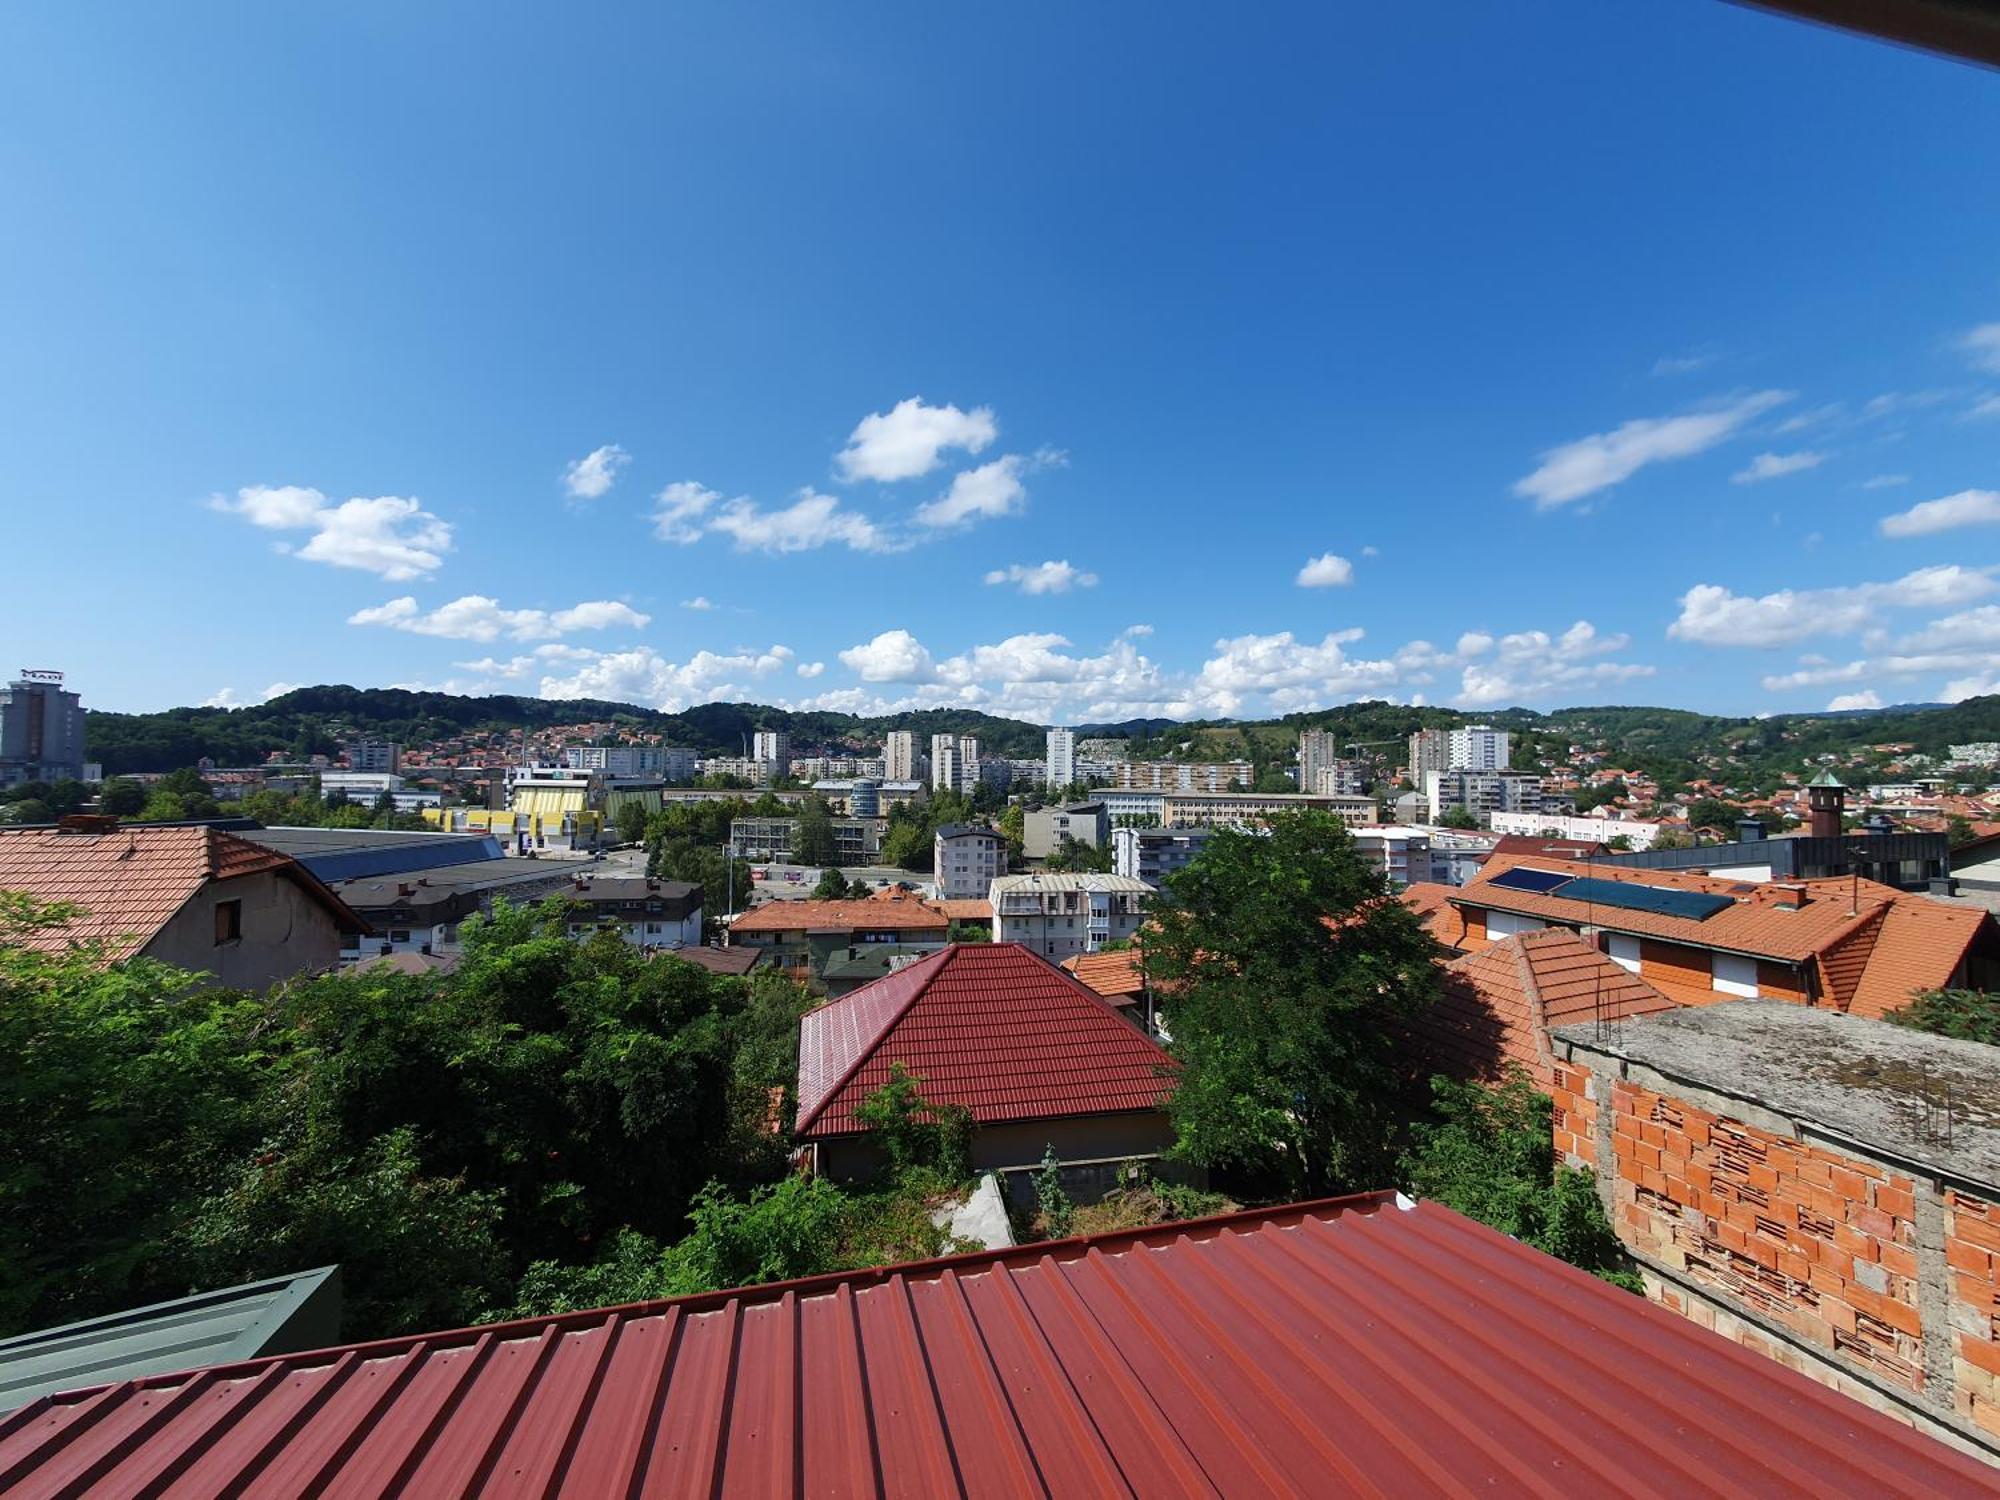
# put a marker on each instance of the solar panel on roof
(1695, 906)
(1521, 878)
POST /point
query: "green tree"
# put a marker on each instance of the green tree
(121, 797)
(1013, 828)
(832, 886)
(816, 845)
(1052, 1199)
(1457, 817)
(30, 810)
(632, 822)
(1489, 1153)
(1970, 1015)
(1294, 974)
(1713, 813)
(908, 846)
(915, 1133)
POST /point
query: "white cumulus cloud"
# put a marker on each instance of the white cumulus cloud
(642, 675)
(911, 439)
(476, 617)
(388, 535)
(1054, 577)
(591, 477)
(1966, 508)
(1714, 616)
(1581, 468)
(1327, 571)
(1866, 699)
(992, 489)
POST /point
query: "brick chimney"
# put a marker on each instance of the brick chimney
(86, 823)
(1826, 802)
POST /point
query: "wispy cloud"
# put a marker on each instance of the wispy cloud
(1581, 468)
(475, 617)
(1966, 508)
(591, 477)
(1053, 577)
(1776, 465)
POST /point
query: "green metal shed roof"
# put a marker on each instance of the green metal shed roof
(281, 1316)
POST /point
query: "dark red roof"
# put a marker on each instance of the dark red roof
(986, 1025)
(1344, 1347)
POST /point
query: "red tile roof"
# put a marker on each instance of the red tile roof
(902, 915)
(986, 1025)
(1342, 1347)
(1119, 976)
(131, 879)
(1499, 1003)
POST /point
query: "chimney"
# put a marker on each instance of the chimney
(1787, 895)
(86, 823)
(1749, 830)
(1943, 885)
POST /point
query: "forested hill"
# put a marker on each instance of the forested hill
(314, 719)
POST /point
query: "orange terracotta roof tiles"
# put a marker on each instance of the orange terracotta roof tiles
(841, 916)
(989, 1026)
(1119, 976)
(964, 908)
(131, 879)
(1431, 901)
(1921, 946)
(1499, 1003)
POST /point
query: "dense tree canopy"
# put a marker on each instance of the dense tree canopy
(1289, 974)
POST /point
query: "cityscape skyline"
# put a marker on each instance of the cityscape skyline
(769, 359)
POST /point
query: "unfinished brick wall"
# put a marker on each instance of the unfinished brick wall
(1972, 1251)
(1575, 1117)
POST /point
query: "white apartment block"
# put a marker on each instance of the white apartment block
(1482, 793)
(966, 860)
(1248, 809)
(1178, 776)
(1475, 747)
(1060, 766)
(1400, 854)
(668, 762)
(775, 746)
(374, 755)
(1318, 750)
(954, 763)
(1340, 778)
(1152, 854)
(749, 768)
(1059, 916)
(1979, 753)
(1593, 830)
(899, 756)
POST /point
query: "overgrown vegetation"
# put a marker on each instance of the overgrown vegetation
(1969, 1015)
(1490, 1154)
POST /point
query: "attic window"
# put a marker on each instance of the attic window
(228, 922)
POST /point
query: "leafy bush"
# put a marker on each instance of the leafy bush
(1969, 1015)
(915, 1133)
(1057, 1210)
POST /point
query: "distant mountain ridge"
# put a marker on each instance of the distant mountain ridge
(311, 719)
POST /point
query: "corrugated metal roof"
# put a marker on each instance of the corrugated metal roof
(233, 1323)
(989, 1026)
(363, 853)
(1346, 1347)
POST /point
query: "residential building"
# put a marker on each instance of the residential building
(1477, 747)
(1179, 776)
(996, 773)
(419, 910)
(1481, 793)
(1046, 829)
(1843, 944)
(1400, 854)
(41, 729)
(1250, 809)
(1125, 807)
(743, 767)
(1059, 768)
(967, 859)
(1981, 753)
(1361, 1345)
(1819, 1187)
(1318, 750)
(1639, 835)
(856, 841)
(774, 748)
(647, 913)
(899, 756)
(954, 763)
(804, 935)
(366, 754)
(665, 762)
(1152, 854)
(1430, 750)
(1118, 977)
(1040, 1061)
(865, 797)
(190, 895)
(1908, 861)
(1343, 778)
(1057, 915)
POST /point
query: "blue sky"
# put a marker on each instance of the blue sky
(1072, 362)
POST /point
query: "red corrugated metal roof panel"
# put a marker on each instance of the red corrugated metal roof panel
(986, 1025)
(1331, 1348)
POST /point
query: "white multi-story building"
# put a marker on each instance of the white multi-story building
(1400, 853)
(1060, 766)
(775, 746)
(1475, 747)
(748, 767)
(1340, 778)
(1177, 776)
(899, 756)
(374, 755)
(1482, 793)
(1249, 809)
(954, 763)
(1152, 854)
(967, 859)
(1318, 749)
(1593, 830)
(1059, 916)
(668, 762)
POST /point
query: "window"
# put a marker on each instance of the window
(228, 922)
(1736, 975)
(1623, 949)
